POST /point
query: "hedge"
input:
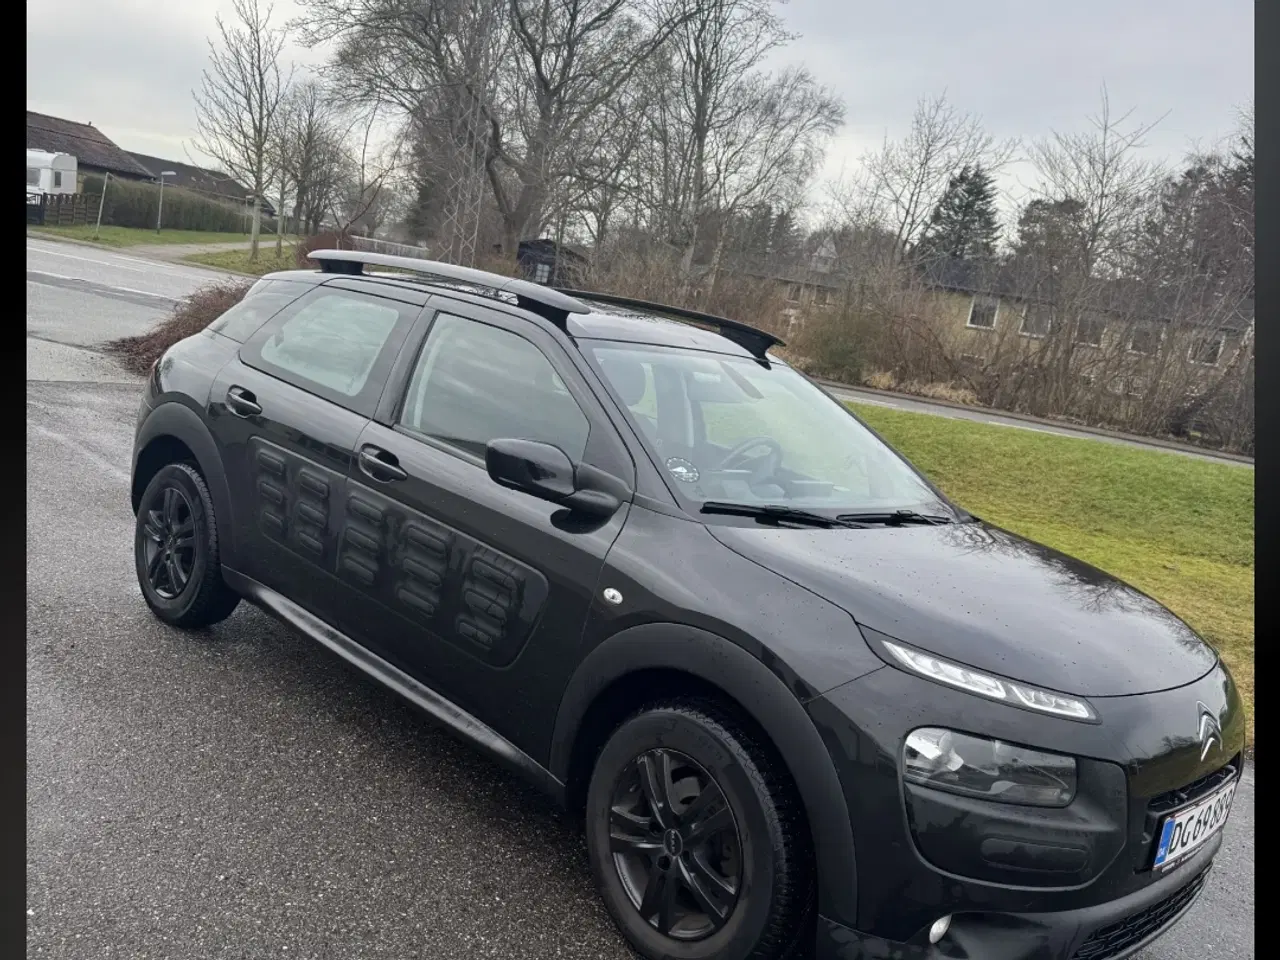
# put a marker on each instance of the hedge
(134, 204)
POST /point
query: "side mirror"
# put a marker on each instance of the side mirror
(545, 471)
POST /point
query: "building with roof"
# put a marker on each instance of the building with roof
(93, 150)
(210, 183)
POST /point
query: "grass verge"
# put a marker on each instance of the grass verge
(135, 237)
(1178, 528)
(238, 260)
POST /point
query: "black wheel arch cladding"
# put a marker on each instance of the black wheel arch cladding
(172, 421)
(766, 699)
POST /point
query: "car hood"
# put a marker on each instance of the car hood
(988, 599)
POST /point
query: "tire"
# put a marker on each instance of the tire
(180, 547)
(754, 862)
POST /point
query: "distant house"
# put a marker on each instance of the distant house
(211, 183)
(93, 151)
(543, 261)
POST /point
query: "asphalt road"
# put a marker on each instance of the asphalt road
(242, 793)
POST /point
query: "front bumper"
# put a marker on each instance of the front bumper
(1109, 931)
(1020, 882)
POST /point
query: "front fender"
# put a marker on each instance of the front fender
(173, 419)
(761, 693)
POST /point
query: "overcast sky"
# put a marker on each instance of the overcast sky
(1026, 66)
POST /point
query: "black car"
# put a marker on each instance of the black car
(803, 702)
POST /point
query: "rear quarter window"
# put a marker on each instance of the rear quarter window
(264, 300)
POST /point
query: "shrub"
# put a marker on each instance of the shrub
(321, 241)
(133, 204)
(189, 316)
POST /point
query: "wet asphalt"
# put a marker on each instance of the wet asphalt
(242, 793)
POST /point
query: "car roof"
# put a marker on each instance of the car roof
(604, 321)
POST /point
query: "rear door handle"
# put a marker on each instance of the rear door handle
(242, 402)
(381, 465)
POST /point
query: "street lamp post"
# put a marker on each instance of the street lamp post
(160, 208)
(102, 202)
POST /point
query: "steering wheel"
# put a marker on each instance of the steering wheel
(768, 464)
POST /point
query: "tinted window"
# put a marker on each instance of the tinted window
(332, 340)
(475, 383)
(263, 301)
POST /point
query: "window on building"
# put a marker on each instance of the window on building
(33, 176)
(822, 296)
(1089, 331)
(542, 272)
(1037, 320)
(1207, 349)
(1145, 340)
(793, 293)
(982, 312)
(57, 178)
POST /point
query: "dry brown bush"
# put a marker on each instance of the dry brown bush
(189, 316)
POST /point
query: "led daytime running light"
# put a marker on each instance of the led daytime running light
(993, 688)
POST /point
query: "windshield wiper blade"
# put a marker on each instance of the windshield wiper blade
(896, 518)
(777, 511)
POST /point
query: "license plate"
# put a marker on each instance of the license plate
(1183, 832)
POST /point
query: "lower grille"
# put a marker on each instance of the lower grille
(1114, 939)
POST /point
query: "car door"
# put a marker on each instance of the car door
(287, 413)
(484, 589)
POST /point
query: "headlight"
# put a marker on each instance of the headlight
(990, 769)
(994, 688)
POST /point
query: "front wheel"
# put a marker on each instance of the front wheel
(696, 838)
(176, 550)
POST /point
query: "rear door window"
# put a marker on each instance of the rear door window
(333, 343)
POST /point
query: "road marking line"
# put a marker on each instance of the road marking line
(147, 266)
(95, 283)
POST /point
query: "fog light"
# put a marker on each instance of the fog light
(939, 928)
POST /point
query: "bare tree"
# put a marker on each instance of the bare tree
(364, 199)
(311, 151)
(563, 60)
(239, 101)
(908, 177)
(1102, 170)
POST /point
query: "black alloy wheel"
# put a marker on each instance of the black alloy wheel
(169, 530)
(697, 840)
(675, 845)
(176, 550)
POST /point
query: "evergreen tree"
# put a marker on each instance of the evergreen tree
(964, 223)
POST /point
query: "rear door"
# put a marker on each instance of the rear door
(287, 413)
(482, 590)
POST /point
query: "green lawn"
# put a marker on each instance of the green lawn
(1177, 528)
(134, 236)
(238, 260)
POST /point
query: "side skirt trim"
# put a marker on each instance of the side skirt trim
(423, 697)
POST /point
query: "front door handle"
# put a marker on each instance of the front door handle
(381, 465)
(242, 402)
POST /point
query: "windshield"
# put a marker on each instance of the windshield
(732, 429)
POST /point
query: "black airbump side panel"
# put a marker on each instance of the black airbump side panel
(454, 586)
(294, 500)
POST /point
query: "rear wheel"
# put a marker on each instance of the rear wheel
(176, 550)
(696, 838)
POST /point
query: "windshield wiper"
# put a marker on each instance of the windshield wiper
(896, 518)
(776, 511)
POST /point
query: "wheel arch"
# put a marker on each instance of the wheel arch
(173, 433)
(619, 674)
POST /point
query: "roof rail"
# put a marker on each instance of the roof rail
(755, 341)
(547, 303)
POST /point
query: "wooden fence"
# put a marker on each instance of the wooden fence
(57, 210)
